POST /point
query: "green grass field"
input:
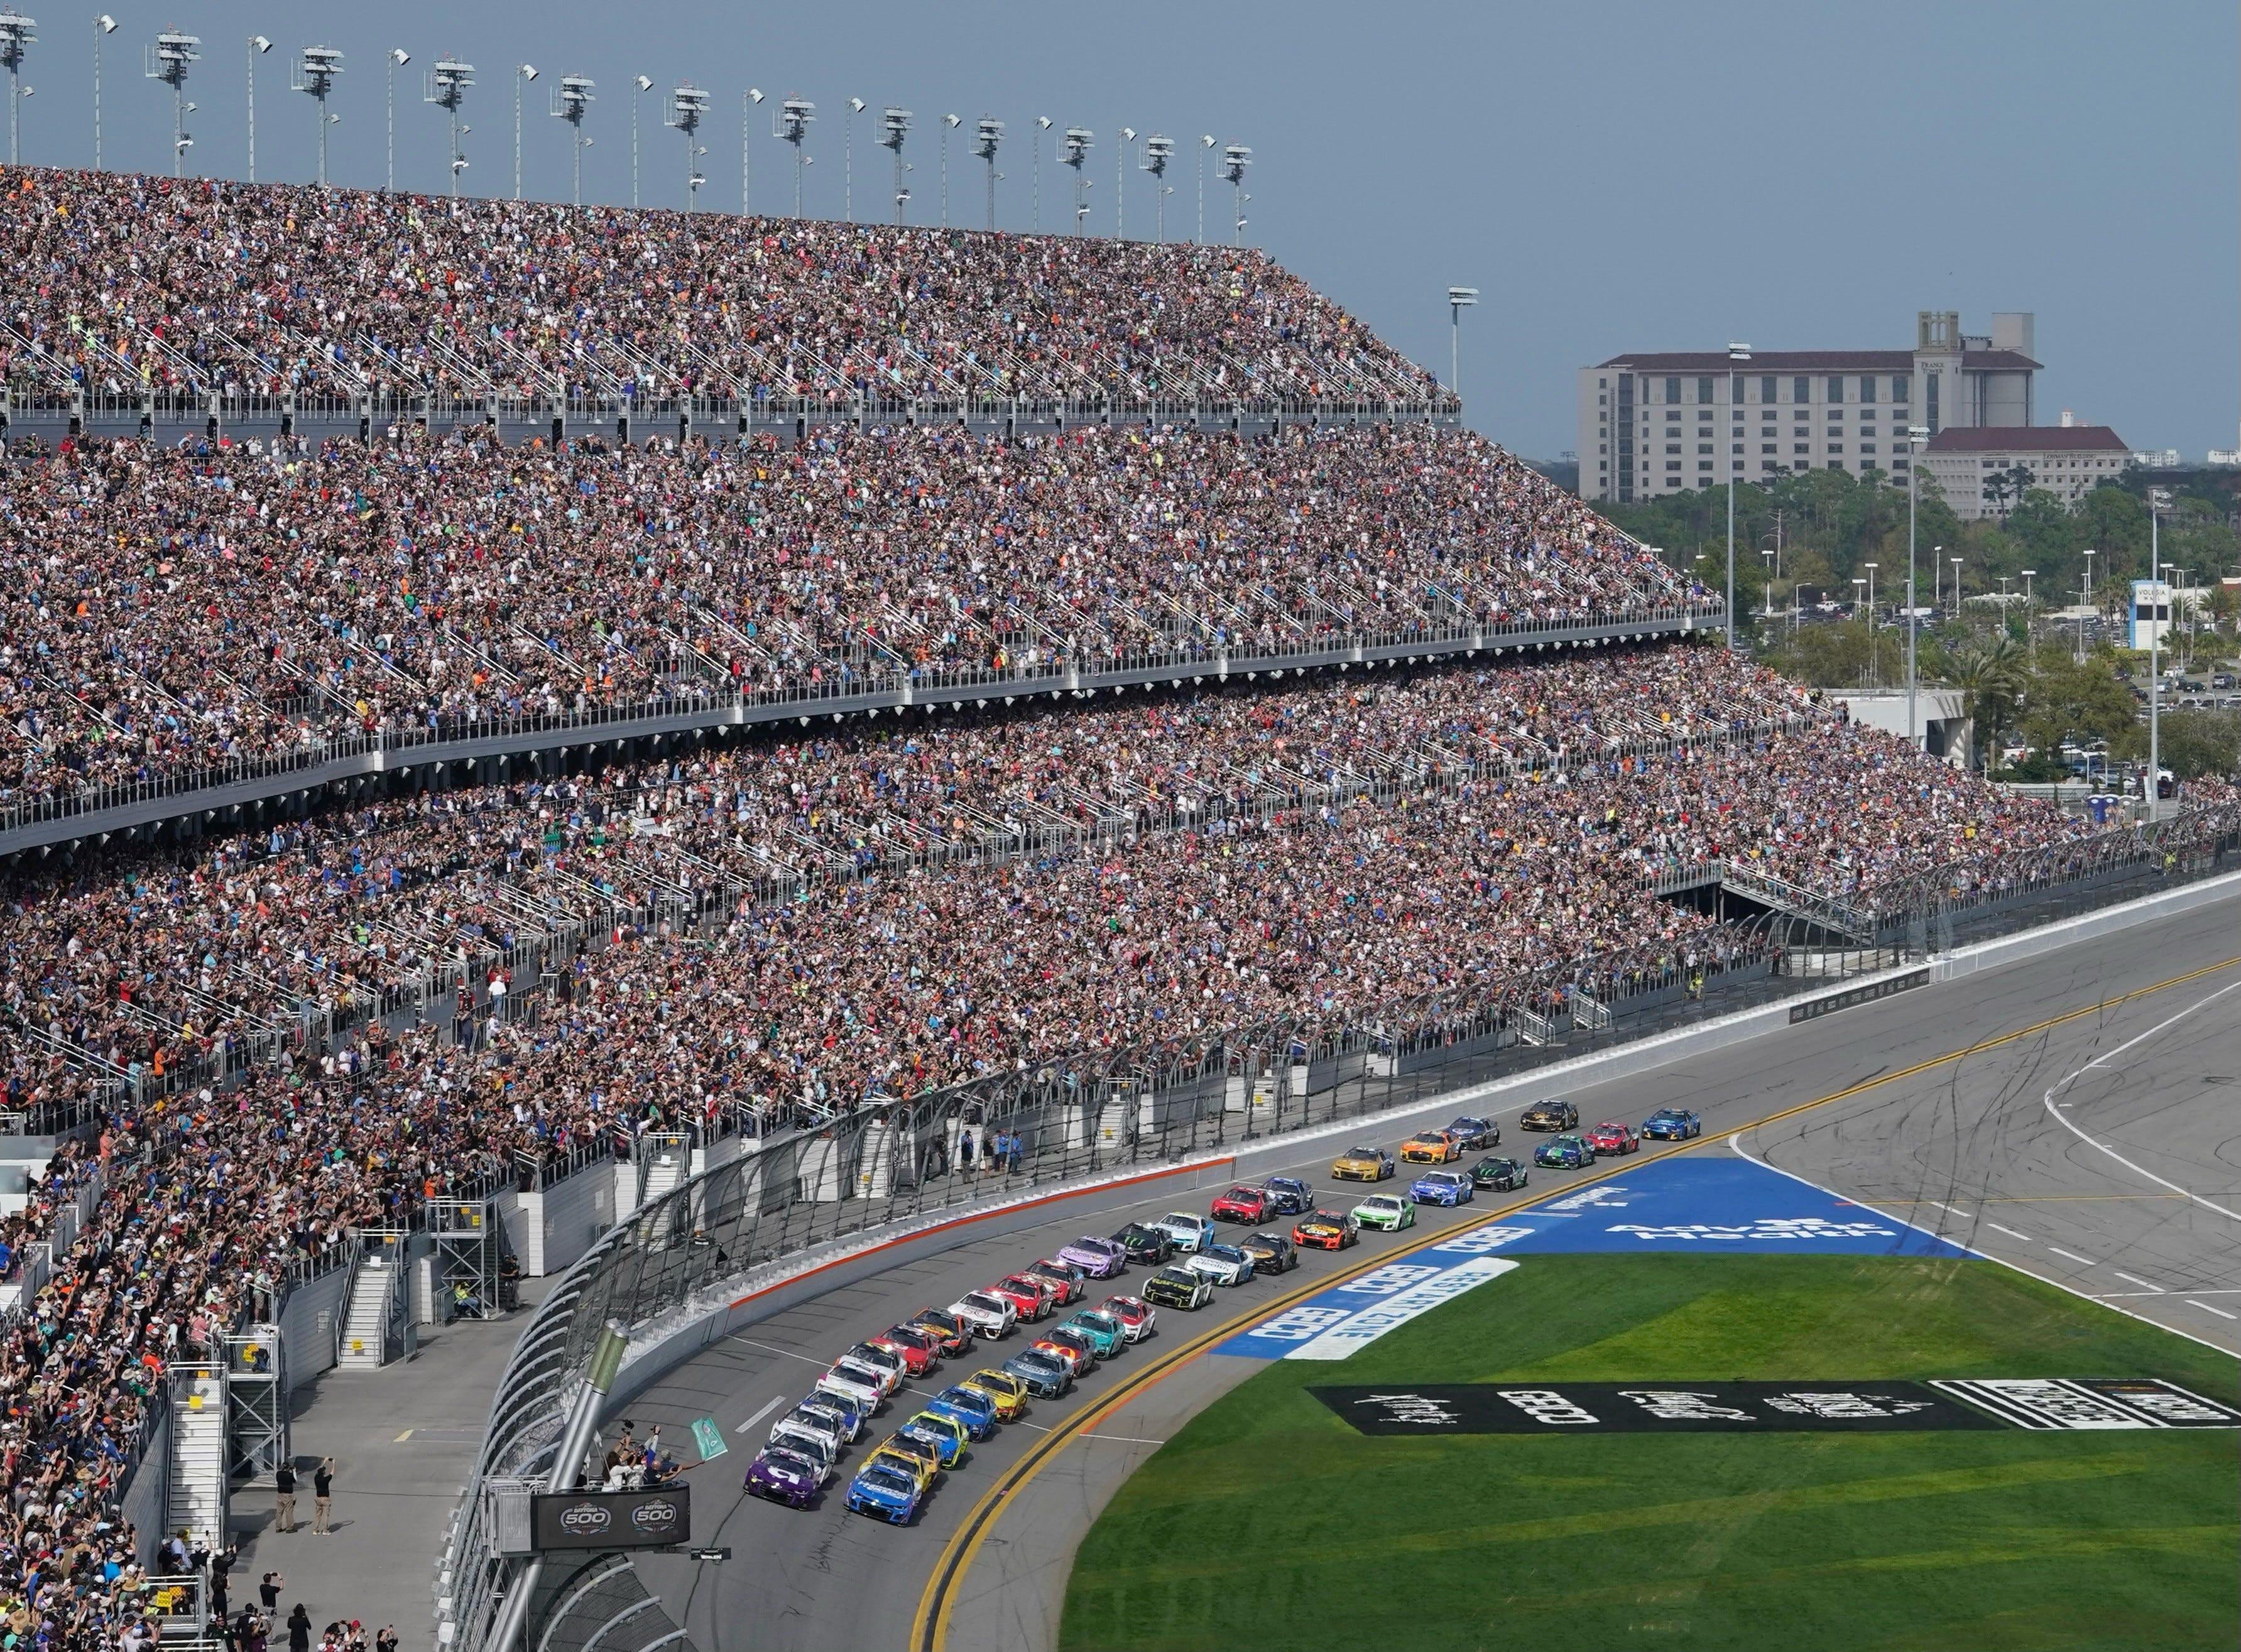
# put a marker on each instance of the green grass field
(1267, 1522)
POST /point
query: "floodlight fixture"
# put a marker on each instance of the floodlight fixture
(314, 76)
(571, 101)
(1074, 151)
(688, 105)
(894, 127)
(986, 138)
(447, 87)
(1235, 159)
(168, 60)
(792, 126)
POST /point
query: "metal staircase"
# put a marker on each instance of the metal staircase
(195, 1478)
(376, 1322)
(257, 1401)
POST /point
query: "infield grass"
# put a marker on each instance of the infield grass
(1267, 1522)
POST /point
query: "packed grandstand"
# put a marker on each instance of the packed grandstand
(255, 1041)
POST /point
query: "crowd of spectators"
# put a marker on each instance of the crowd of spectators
(166, 611)
(127, 283)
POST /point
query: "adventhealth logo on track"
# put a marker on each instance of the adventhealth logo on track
(1792, 1228)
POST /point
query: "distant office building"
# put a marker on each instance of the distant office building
(1984, 472)
(2157, 458)
(1656, 423)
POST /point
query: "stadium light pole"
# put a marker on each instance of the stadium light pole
(2031, 638)
(397, 58)
(1158, 151)
(1235, 159)
(985, 137)
(1120, 183)
(640, 85)
(949, 123)
(168, 61)
(2085, 601)
(1459, 299)
(793, 125)
(1036, 175)
(523, 73)
(1875, 669)
(2158, 502)
(895, 126)
(572, 100)
(17, 33)
(856, 106)
(1917, 436)
(688, 105)
(104, 24)
(1205, 142)
(1738, 355)
(748, 99)
(447, 89)
(1957, 587)
(257, 46)
(314, 76)
(1072, 153)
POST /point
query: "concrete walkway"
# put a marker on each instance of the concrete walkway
(404, 1439)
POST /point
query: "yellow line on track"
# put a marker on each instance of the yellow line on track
(930, 1628)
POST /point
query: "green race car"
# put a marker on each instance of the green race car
(1107, 1332)
(1384, 1211)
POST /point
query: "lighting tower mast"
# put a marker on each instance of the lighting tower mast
(989, 134)
(1158, 151)
(447, 89)
(572, 100)
(894, 127)
(1234, 160)
(686, 105)
(169, 60)
(792, 127)
(1074, 151)
(316, 69)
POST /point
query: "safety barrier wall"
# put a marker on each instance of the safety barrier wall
(802, 1213)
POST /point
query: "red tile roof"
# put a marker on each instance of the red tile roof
(2028, 439)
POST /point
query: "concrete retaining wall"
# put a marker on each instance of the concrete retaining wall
(549, 1229)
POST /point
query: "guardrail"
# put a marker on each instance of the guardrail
(1062, 1123)
(340, 760)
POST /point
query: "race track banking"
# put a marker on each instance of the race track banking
(1934, 1106)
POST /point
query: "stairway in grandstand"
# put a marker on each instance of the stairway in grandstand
(195, 1484)
(1840, 919)
(664, 1161)
(373, 1316)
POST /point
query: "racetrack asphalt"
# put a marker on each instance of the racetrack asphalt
(1972, 1146)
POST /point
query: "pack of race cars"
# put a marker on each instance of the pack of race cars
(1190, 1260)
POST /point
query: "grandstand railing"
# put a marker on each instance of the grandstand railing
(842, 691)
(1064, 1121)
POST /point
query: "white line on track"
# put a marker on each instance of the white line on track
(1122, 1438)
(2147, 1285)
(2072, 1255)
(2053, 1109)
(2206, 1308)
(767, 1407)
(1950, 1210)
(2009, 1232)
(769, 1347)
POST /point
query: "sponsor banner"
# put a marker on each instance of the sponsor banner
(1651, 1408)
(2093, 1402)
(1851, 997)
(612, 1519)
(1358, 1329)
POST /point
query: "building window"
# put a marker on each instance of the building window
(1835, 387)
(1801, 390)
(1801, 447)
(1770, 464)
(1602, 383)
(1929, 396)
(1867, 447)
(1672, 389)
(1769, 447)
(1898, 464)
(1836, 464)
(1835, 447)
(1673, 464)
(1704, 447)
(1901, 389)
(1867, 387)
(1673, 447)
(1704, 417)
(1766, 390)
(1704, 388)
(1703, 465)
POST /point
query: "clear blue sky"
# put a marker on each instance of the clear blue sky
(1613, 175)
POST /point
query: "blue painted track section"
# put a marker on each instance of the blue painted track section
(1694, 1203)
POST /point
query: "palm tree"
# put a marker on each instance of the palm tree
(1993, 675)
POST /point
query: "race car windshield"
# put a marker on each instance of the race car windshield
(1097, 1322)
(793, 1461)
(886, 1479)
(1362, 1153)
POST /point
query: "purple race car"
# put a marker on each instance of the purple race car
(1099, 1258)
(786, 1476)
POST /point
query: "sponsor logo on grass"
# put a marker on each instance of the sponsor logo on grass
(1652, 1407)
(2093, 1402)
(1360, 1329)
(1804, 1229)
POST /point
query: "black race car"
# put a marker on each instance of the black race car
(1271, 1253)
(1500, 1175)
(1292, 1196)
(1476, 1132)
(1554, 1113)
(1147, 1246)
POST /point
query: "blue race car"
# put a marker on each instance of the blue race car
(1442, 1188)
(888, 1493)
(1564, 1153)
(1671, 1124)
(974, 1411)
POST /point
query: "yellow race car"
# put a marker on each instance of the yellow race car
(1361, 1164)
(1006, 1392)
(1433, 1147)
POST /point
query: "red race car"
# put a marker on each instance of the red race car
(1252, 1206)
(917, 1349)
(1611, 1138)
(1034, 1297)
(1065, 1278)
(1136, 1316)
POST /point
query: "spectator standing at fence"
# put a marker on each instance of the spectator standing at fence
(322, 1497)
(283, 1511)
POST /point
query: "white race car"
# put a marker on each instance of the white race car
(989, 1314)
(802, 1419)
(866, 1385)
(1223, 1264)
(1186, 1230)
(809, 1443)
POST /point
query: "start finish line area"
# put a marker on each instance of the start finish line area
(1693, 1204)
